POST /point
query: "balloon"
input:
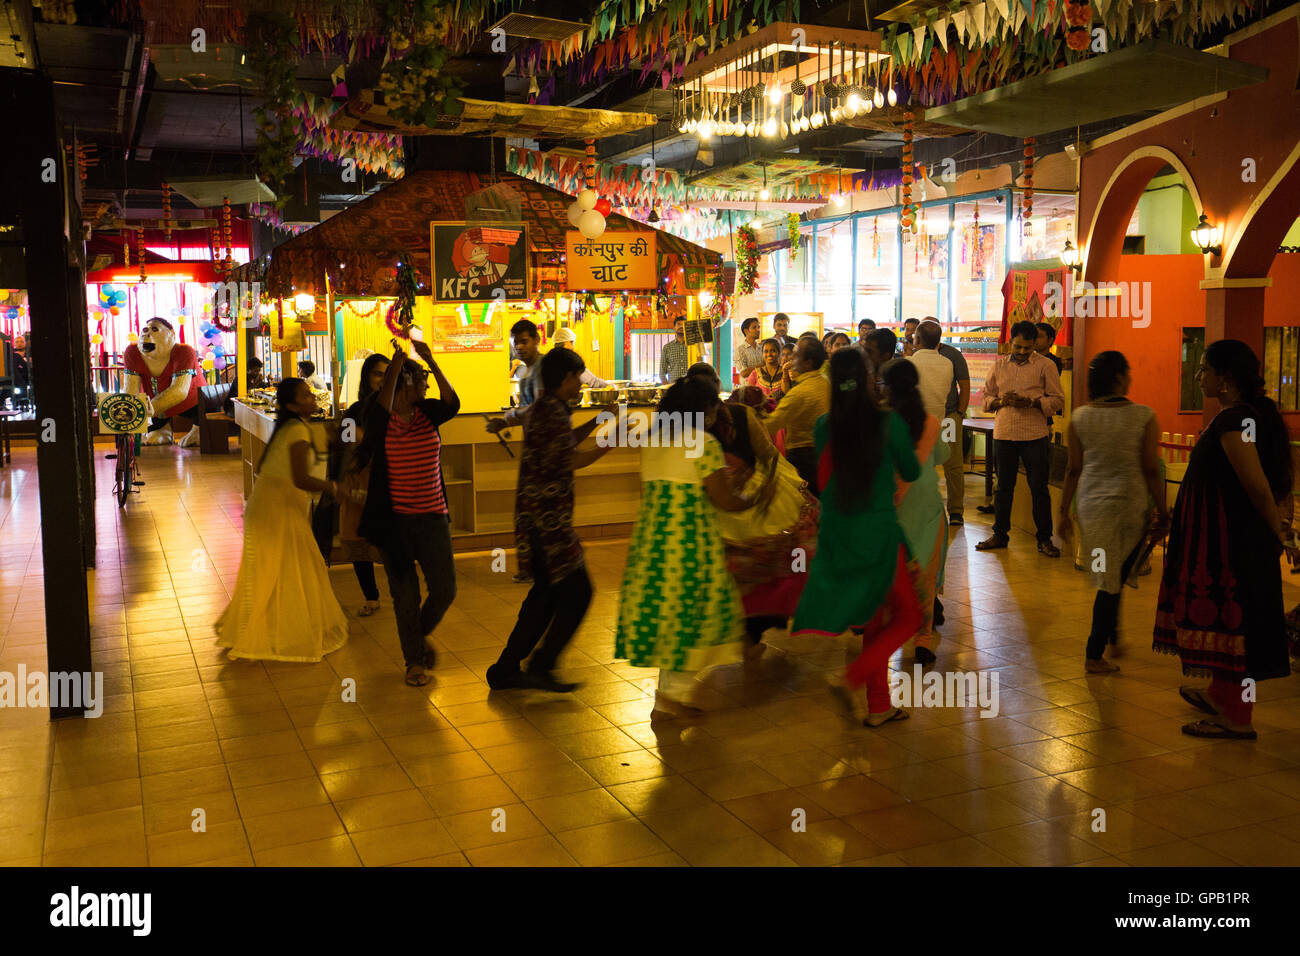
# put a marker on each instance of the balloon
(575, 213)
(587, 199)
(120, 296)
(207, 364)
(115, 311)
(592, 224)
(132, 338)
(96, 339)
(4, 294)
(603, 207)
(219, 362)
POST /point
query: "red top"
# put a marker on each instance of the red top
(183, 359)
(414, 466)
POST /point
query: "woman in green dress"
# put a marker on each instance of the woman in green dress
(920, 506)
(679, 609)
(864, 573)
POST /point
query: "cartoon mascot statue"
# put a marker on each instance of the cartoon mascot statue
(169, 375)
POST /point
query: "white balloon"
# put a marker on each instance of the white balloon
(575, 213)
(587, 199)
(592, 224)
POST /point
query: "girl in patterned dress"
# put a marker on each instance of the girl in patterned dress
(679, 609)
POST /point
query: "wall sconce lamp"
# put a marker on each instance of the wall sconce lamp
(304, 303)
(1209, 239)
(1071, 259)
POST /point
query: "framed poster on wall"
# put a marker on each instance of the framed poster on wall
(479, 263)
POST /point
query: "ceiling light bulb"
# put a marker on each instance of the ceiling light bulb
(878, 99)
(853, 104)
(765, 194)
(769, 127)
(836, 114)
(705, 129)
(785, 130)
(818, 120)
(803, 124)
(682, 128)
(867, 105)
(893, 97)
(692, 125)
(775, 94)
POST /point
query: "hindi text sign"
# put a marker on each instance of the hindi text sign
(616, 261)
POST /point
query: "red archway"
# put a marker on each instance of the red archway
(1238, 153)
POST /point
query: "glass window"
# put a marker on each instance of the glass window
(877, 282)
(978, 267)
(796, 278)
(834, 267)
(925, 266)
(1281, 356)
(1190, 397)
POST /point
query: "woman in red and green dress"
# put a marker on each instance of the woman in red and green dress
(864, 574)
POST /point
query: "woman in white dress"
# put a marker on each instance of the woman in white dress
(1115, 468)
(283, 608)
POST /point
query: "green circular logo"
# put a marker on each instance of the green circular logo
(122, 413)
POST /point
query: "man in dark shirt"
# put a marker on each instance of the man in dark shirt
(781, 325)
(548, 547)
(1043, 345)
(526, 341)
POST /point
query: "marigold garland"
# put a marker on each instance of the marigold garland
(792, 227)
(1029, 181)
(139, 249)
(167, 211)
(746, 260)
(908, 215)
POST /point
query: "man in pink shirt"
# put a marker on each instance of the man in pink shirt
(1024, 390)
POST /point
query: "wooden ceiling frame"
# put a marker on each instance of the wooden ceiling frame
(715, 69)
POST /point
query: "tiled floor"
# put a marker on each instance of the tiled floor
(281, 771)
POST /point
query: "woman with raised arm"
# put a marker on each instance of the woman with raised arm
(406, 514)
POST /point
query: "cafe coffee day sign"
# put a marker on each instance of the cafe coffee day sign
(479, 263)
(618, 261)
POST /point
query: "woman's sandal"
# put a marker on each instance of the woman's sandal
(367, 609)
(666, 708)
(1199, 699)
(879, 720)
(1100, 666)
(416, 677)
(1213, 730)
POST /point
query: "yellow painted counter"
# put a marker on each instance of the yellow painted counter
(481, 478)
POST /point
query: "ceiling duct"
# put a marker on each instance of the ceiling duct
(209, 192)
(223, 65)
(530, 27)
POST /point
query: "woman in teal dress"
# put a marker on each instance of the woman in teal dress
(920, 506)
(864, 573)
(679, 609)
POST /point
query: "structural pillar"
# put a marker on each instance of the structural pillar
(37, 208)
(1234, 309)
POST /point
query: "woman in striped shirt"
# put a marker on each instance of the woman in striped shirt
(406, 513)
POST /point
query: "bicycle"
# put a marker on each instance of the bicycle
(124, 415)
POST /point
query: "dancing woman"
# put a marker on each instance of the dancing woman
(680, 610)
(283, 608)
(863, 565)
(920, 506)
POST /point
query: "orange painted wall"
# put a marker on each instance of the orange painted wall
(1177, 302)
